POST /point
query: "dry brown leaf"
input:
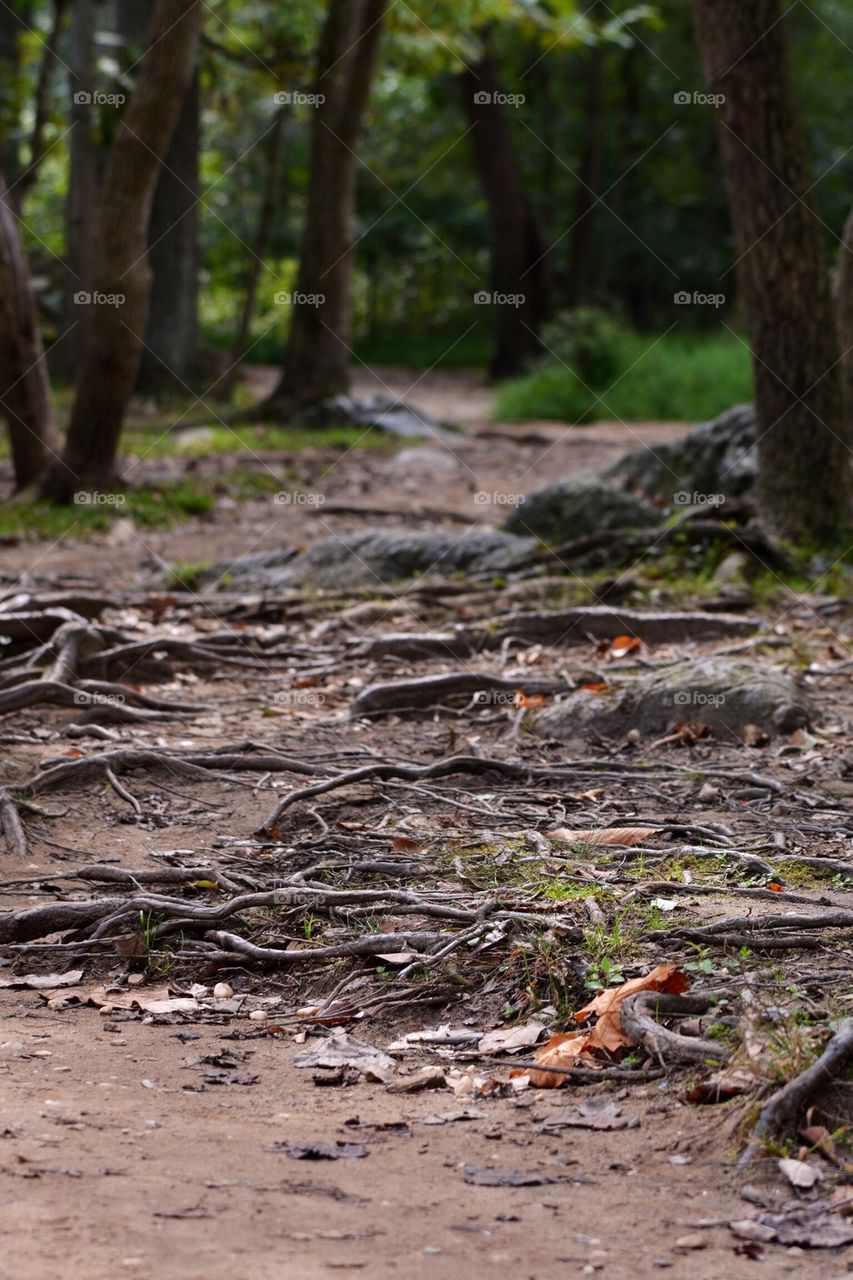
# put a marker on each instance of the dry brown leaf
(607, 1033)
(605, 835)
(623, 645)
(563, 1050)
(523, 699)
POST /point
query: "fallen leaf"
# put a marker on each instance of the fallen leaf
(820, 1139)
(506, 1039)
(775, 887)
(605, 835)
(623, 645)
(594, 686)
(343, 1051)
(43, 981)
(799, 1173)
(154, 1000)
(405, 844)
(607, 1032)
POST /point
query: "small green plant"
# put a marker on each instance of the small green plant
(603, 973)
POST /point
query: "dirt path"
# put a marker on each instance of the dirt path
(138, 1143)
(119, 1160)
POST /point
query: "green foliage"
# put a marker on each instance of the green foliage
(589, 341)
(672, 378)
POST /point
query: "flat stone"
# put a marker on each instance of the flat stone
(725, 695)
(577, 506)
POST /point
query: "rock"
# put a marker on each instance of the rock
(575, 507)
(725, 695)
(374, 559)
(719, 457)
(194, 438)
(716, 461)
(384, 413)
(422, 462)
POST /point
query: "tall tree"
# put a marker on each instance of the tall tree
(843, 292)
(25, 398)
(518, 252)
(172, 333)
(121, 273)
(317, 360)
(804, 481)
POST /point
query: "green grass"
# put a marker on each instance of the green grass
(682, 378)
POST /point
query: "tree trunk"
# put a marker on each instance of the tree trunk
(317, 361)
(844, 316)
(581, 262)
(122, 276)
(804, 474)
(83, 189)
(518, 254)
(13, 24)
(172, 337)
(24, 385)
(263, 238)
(172, 333)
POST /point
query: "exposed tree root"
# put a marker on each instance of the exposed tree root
(782, 1110)
(666, 1046)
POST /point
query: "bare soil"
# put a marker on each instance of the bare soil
(122, 1153)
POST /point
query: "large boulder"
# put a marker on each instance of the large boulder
(718, 458)
(375, 558)
(716, 461)
(725, 695)
(577, 506)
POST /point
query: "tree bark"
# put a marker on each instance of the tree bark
(803, 438)
(112, 356)
(843, 295)
(84, 179)
(172, 333)
(171, 341)
(11, 27)
(518, 254)
(317, 360)
(263, 238)
(24, 385)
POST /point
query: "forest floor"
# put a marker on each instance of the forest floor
(179, 1141)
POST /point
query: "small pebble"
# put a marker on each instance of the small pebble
(258, 1015)
(222, 991)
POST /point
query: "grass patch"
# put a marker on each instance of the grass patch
(681, 378)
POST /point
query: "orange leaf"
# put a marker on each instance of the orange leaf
(405, 844)
(606, 1037)
(605, 835)
(625, 644)
(776, 887)
(562, 1050)
(596, 687)
(607, 1032)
